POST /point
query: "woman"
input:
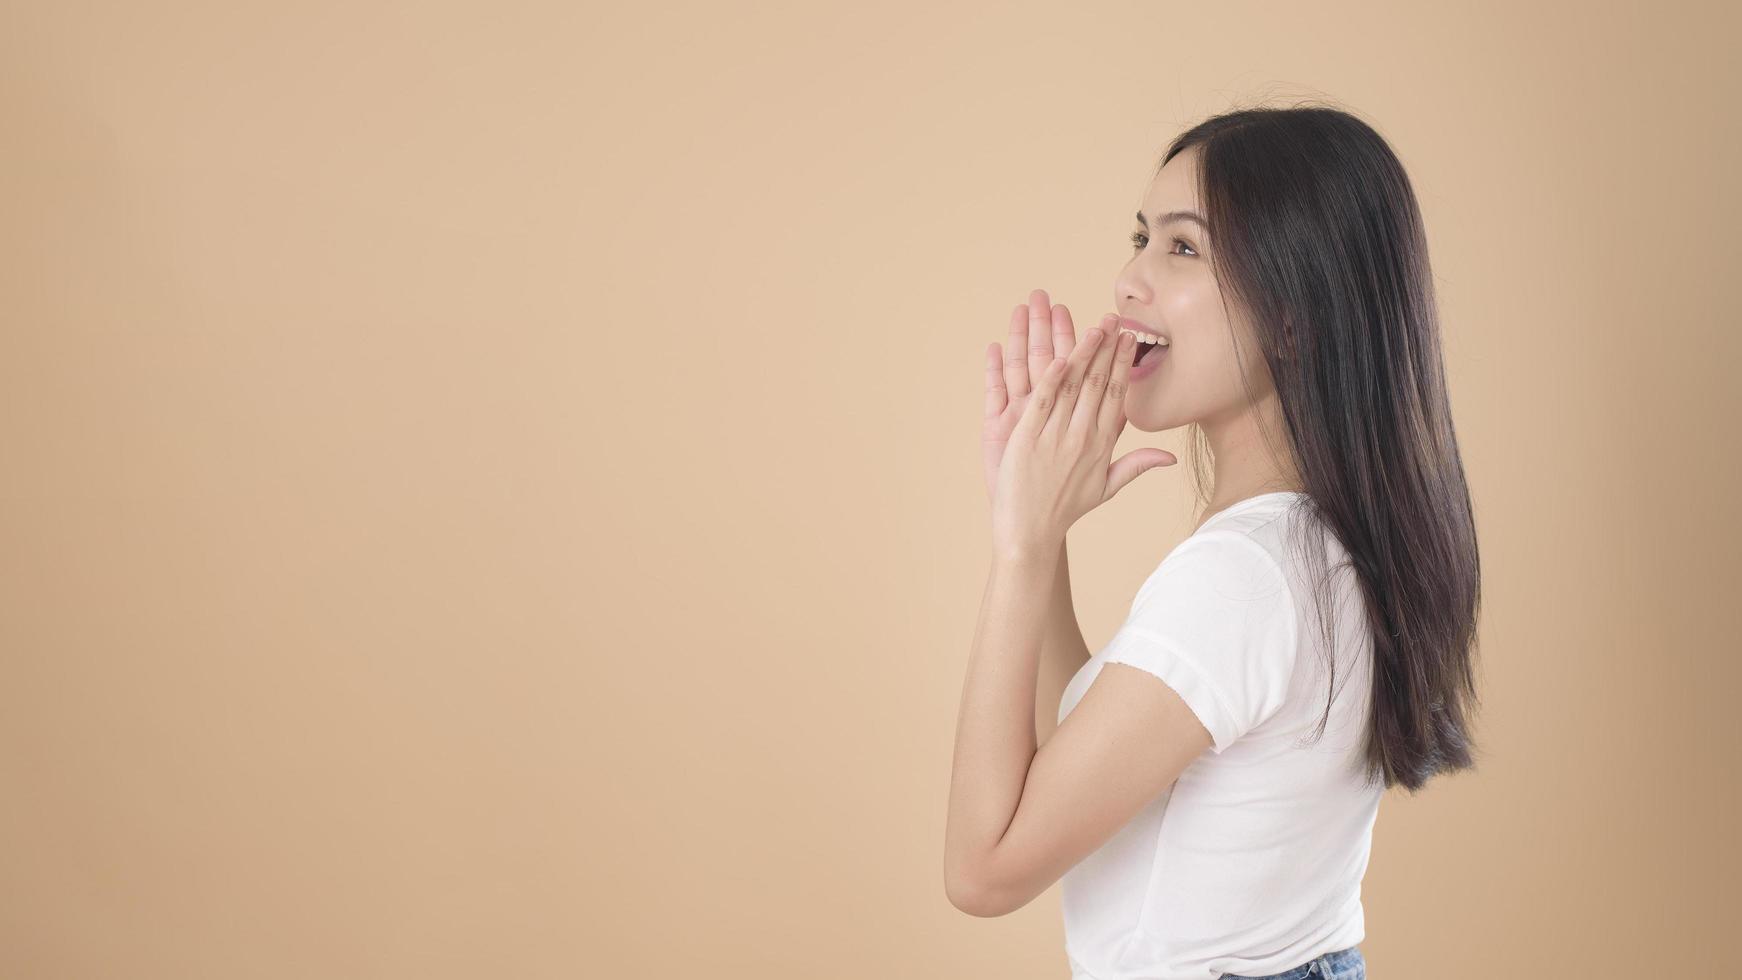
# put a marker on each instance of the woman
(1208, 797)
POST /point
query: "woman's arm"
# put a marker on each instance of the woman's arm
(995, 737)
(1020, 816)
(1063, 651)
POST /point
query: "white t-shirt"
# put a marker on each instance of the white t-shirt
(1251, 862)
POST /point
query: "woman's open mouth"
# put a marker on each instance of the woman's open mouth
(1149, 357)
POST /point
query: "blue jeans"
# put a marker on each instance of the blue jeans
(1344, 964)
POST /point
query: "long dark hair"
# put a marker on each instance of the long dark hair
(1316, 235)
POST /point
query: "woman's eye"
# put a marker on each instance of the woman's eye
(1139, 239)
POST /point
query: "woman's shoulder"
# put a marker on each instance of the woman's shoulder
(1225, 561)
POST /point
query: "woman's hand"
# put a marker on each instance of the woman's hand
(1039, 332)
(1056, 463)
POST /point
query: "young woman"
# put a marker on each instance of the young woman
(1208, 797)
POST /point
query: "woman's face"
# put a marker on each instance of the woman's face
(1168, 286)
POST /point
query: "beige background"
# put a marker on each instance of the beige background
(492, 489)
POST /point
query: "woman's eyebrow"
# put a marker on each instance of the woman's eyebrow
(1162, 219)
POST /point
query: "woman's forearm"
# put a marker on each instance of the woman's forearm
(1063, 650)
(995, 737)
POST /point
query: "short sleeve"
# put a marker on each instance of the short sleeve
(1217, 623)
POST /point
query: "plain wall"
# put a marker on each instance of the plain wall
(492, 489)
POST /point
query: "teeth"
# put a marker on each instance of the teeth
(1147, 338)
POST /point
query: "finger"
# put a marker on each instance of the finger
(1133, 465)
(1064, 332)
(1085, 417)
(1016, 353)
(997, 396)
(1040, 352)
(1071, 385)
(1113, 406)
(1041, 399)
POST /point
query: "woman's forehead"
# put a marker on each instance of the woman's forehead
(1174, 188)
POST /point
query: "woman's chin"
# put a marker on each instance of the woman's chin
(1144, 421)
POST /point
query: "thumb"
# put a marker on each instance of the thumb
(1133, 465)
